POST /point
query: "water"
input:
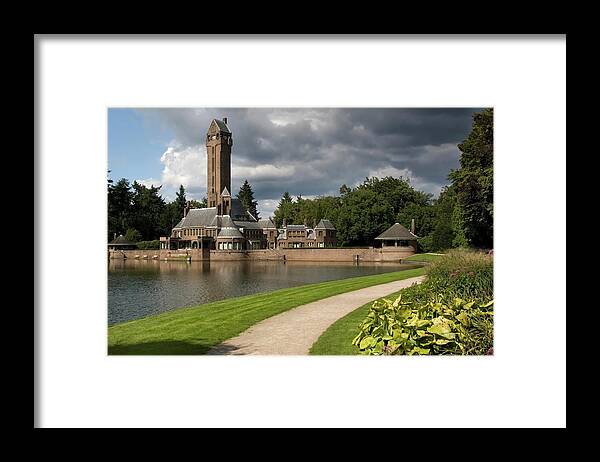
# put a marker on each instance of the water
(142, 288)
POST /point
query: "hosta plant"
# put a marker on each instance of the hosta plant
(432, 328)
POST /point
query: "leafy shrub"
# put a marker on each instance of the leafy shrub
(437, 327)
(450, 313)
(149, 245)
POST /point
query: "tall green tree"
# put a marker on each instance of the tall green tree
(443, 233)
(148, 210)
(120, 207)
(246, 197)
(285, 210)
(180, 200)
(474, 182)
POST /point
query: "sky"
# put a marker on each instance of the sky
(308, 152)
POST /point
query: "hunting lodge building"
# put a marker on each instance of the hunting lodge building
(225, 224)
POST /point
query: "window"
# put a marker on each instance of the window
(403, 243)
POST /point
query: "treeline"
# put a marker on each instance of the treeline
(142, 215)
(462, 215)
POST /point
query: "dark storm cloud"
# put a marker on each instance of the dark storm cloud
(314, 151)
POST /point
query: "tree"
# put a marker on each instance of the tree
(443, 234)
(423, 214)
(133, 235)
(194, 204)
(285, 210)
(246, 197)
(148, 211)
(474, 182)
(180, 200)
(120, 201)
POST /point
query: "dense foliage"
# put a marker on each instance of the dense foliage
(450, 313)
(474, 182)
(149, 245)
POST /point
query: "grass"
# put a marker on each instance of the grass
(427, 257)
(194, 330)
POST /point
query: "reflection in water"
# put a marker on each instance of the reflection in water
(139, 288)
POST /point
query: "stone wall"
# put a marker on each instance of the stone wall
(366, 254)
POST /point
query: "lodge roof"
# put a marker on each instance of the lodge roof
(230, 232)
(208, 217)
(228, 228)
(121, 240)
(198, 217)
(325, 224)
(397, 232)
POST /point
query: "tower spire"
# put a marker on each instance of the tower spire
(219, 142)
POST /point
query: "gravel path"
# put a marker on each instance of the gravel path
(295, 331)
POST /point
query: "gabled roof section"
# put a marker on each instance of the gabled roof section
(397, 232)
(218, 125)
(230, 232)
(227, 222)
(121, 240)
(228, 228)
(324, 224)
(266, 223)
(225, 192)
(198, 217)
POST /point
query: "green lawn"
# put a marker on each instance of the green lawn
(423, 257)
(194, 330)
(337, 339)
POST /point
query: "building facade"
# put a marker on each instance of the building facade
(225, 224)
(321, 235)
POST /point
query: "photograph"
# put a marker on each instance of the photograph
(300, 231)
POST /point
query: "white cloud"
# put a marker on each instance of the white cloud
(148, 182)
(262, 172)
(266, 207)
(184, 165)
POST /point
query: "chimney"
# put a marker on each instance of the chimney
(115, 236)
(225, 120)
(284, 222)
(314, 223)
(412, 226)
(186, 208)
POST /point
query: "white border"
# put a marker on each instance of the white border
(522, 385)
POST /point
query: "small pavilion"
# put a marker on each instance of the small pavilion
(397, 236)
(121, 243)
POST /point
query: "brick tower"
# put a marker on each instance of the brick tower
(218, 159)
